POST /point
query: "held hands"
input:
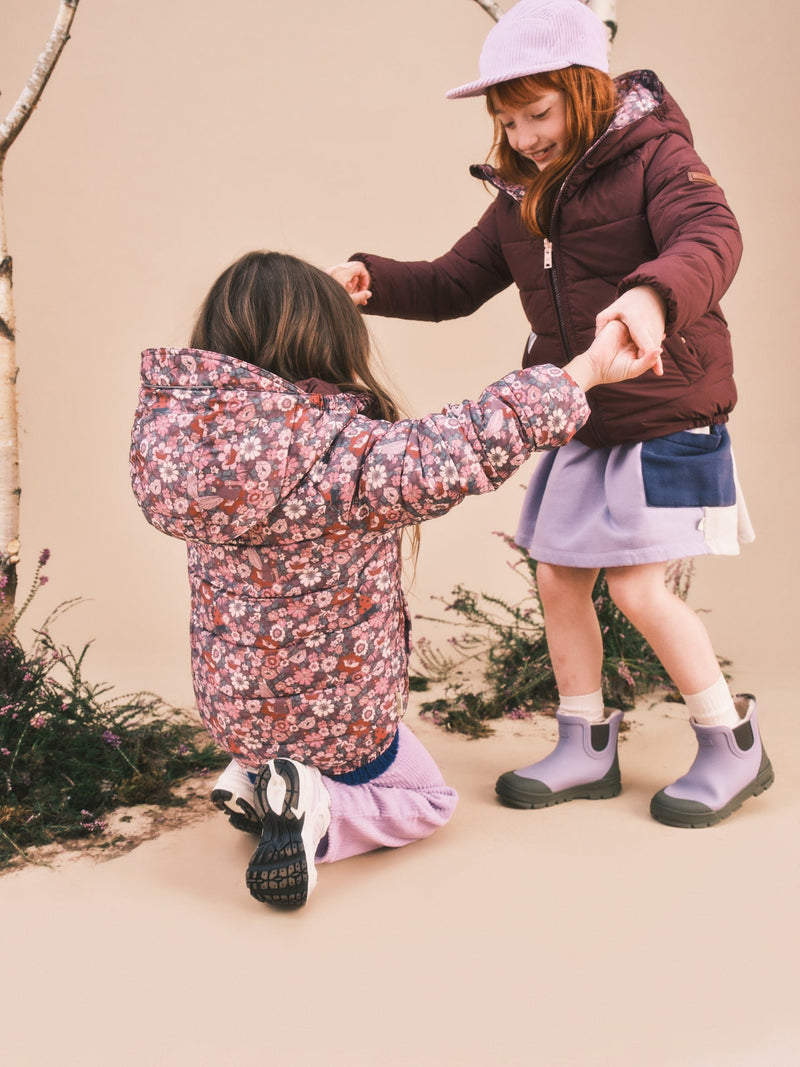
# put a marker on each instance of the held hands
(644, 312)
(612, 357)
(354, 276)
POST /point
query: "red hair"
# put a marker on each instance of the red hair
(591, 100)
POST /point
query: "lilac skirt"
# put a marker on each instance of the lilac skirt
(655, 501)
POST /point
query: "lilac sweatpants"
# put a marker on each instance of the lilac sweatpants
(406, 803)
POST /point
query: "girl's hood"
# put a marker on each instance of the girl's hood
(217, 443)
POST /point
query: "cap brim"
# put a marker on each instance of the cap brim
(477, 88)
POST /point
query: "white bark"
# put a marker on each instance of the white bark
(606, 11)
(9, 439)
(491, 8)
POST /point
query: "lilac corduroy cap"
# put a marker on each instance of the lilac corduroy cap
(537, 36)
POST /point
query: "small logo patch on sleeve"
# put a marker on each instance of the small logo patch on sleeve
(702, 177)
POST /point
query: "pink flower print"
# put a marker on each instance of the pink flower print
(251, 447)
(377, 476)
(295, 509)
(497, 456)
(168, 472)
(323, 707)
(239, 681)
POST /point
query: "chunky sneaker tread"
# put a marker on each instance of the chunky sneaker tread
(278, 871)
(240, 814)
(692, 815)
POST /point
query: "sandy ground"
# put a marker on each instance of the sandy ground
(586, 934)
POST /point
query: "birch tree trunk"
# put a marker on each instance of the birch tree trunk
(606, 11)
(9, 438)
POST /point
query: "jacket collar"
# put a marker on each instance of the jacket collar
(639, 93)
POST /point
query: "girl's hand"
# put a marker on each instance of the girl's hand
(354, 276)
(644, 312)
(612, 357)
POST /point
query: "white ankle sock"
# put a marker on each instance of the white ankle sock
(589, 707)
(713, 706)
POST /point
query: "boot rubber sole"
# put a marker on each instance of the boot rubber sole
(517, 792)
(691, 815)
(277, 873)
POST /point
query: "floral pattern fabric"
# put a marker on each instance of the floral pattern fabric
(292, 505)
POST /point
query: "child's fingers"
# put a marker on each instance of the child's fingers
(354, 276)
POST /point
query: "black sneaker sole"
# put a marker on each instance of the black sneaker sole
(689, 815)
(277, 873)
(245, 820)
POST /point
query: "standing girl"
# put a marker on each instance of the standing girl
(272, 450)
(605, 212)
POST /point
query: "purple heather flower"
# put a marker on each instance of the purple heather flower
(44, 557)
(111, 739)
(624, 672)
(43, 579)
(519, 713)
(38, 721)
(5, 752)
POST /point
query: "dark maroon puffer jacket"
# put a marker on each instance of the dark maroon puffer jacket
(640, 208)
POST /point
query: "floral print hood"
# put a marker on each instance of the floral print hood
(228, 424)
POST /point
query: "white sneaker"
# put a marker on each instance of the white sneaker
(233, 794)
(295, 811)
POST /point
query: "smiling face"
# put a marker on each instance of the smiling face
(538, 130)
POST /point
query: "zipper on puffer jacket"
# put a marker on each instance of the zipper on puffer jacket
(549, 248)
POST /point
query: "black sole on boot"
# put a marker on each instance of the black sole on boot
(517, 792)
(690, 815)
(277, 873)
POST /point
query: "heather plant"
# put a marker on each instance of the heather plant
(70, 752)
(504, 644)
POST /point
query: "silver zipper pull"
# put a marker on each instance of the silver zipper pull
(548, 254)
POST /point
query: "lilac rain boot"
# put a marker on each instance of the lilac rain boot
(731, 765)
(582, 766)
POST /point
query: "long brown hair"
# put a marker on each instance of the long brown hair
(293, 319)
(590, 99)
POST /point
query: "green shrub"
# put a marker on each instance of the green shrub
(70, 753)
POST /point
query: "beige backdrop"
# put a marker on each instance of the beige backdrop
(176, 135)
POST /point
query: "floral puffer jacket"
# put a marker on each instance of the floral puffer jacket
(292, 505)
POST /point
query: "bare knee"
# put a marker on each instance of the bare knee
(558, 585)
(635, 592)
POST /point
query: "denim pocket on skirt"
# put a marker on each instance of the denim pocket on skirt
(689, 470)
